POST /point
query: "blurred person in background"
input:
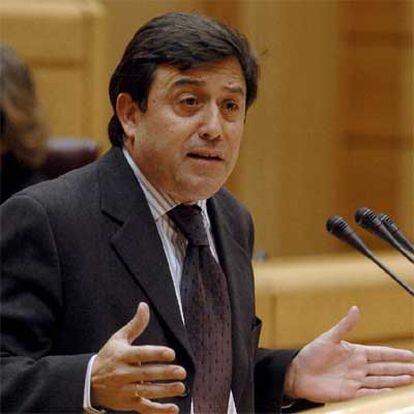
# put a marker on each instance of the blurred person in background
(22, 129)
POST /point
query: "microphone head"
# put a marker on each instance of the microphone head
(396, 232)
(366, 218)
(338, 226)
(388, 223)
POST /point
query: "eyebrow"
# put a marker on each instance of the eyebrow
(235, 89)
(188, 81)
(197, 82)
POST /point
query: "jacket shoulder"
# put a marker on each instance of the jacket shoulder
(65, 191)
(234, 208)
(236, 215)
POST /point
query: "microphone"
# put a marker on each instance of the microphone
(337, 226)
(396, 232)
(368, 220)
(341, 229)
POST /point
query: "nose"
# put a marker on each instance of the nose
(211, 127)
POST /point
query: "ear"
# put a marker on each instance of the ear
(128, 113)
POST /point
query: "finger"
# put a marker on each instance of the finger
(383, 353)
(362, 392)
(136, 325)
(152, 373)
(386, 382)
(145, 406)
(148, 353)
(158, 390)
(338, 332)
(390, 368)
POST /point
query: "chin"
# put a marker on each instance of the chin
(195, 191)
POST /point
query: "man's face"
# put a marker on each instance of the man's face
(187, 141)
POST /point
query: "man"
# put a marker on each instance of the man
(148, 224)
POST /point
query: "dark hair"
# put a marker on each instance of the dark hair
(184, 40)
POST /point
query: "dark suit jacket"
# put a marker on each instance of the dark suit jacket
(79, 253)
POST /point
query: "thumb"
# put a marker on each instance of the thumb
(134, 328)
(338, 332)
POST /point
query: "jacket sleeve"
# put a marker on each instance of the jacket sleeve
(33, 379)
(269, 377)
(270, 367)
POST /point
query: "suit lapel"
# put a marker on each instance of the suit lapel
(233, 261)
(137, 241)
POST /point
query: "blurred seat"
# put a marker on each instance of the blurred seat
(65, 153)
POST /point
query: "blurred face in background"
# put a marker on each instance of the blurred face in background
(23, 130)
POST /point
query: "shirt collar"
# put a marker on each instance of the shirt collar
(159, 202)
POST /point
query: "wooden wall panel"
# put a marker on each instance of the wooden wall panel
(47, 32)
(376, 16)
(63, 43)
(374, 178)
(407, 204)
(229, 11)
(61, 96)
(373, 88)
(284, 173)
(375, 110)
(95, 37)
(407, 210)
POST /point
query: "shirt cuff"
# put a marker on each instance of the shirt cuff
(87, 408)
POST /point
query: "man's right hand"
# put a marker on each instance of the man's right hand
(126, 377)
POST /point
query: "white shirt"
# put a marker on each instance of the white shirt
(174, 244)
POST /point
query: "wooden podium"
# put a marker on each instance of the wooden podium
(397, 401)
(298, 298)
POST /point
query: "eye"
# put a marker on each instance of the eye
(230, 106)
(189, 101)
(188, 104)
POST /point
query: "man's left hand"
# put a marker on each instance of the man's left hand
(330, 369)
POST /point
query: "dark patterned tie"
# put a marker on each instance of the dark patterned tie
(206, 306)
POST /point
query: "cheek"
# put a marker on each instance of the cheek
(235, 140)
(169, 132)
(162, 154)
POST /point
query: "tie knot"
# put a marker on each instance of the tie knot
(189, 220)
